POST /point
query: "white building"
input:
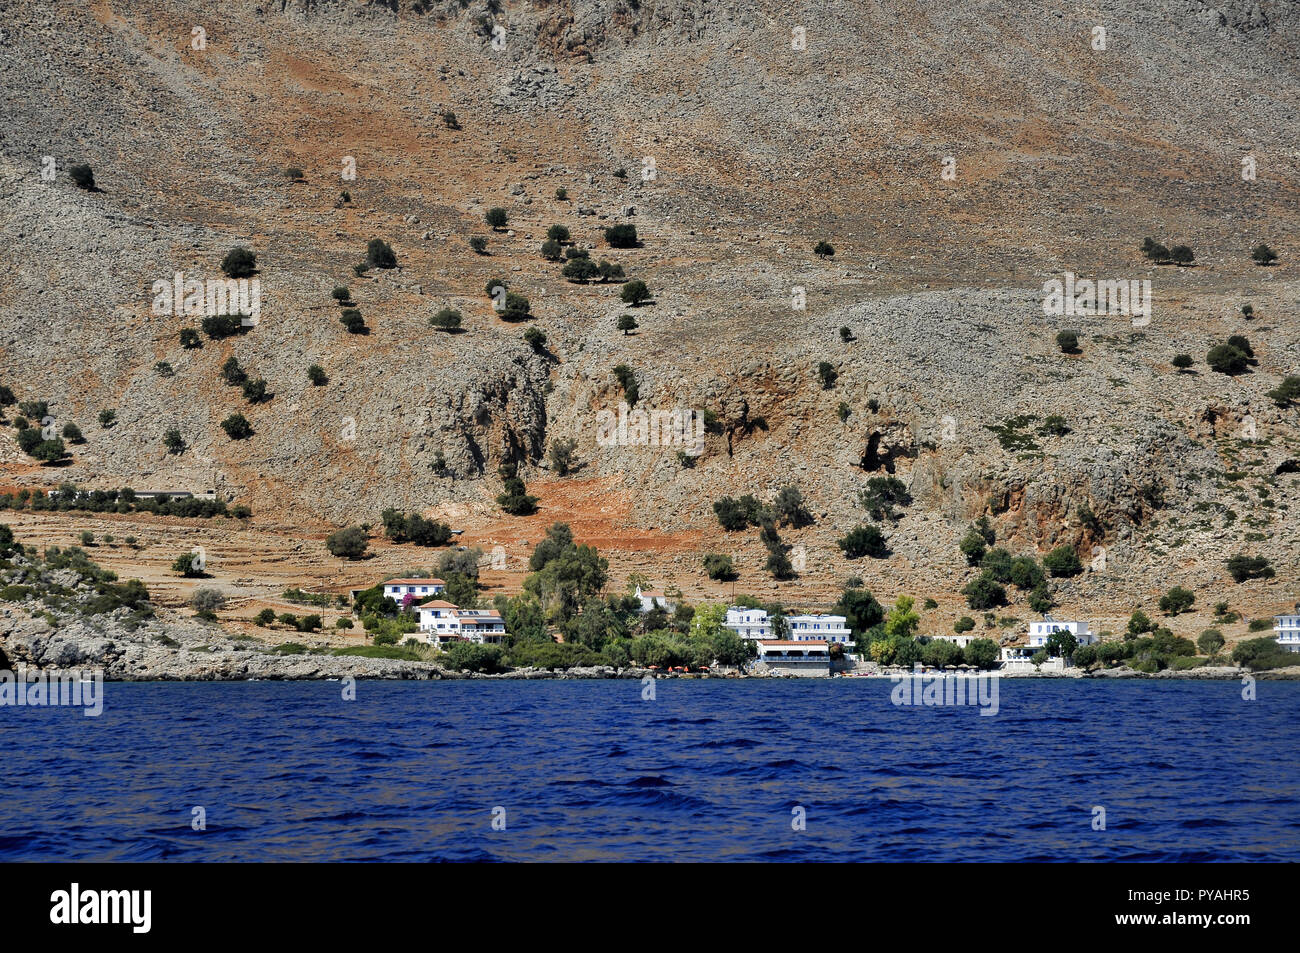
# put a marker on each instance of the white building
(795, 658)
(1287, 628)
(652, 598)
(1019, 658)
(748, 623)
(418, 589)
(1039, 632)
(961, 640)
(441, 621)
(819, 628)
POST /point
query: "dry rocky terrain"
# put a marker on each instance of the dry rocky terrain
(1066, 157)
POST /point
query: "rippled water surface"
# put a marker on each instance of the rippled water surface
(709, 770)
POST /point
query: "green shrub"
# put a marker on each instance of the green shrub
(239, 263)
(237, 427)
(82, 176)
(982, 653)
(349, 543)
(468, 657)
(621, 236)
(497, 218)
(1260, 654)
(220, 326)
(984, 592)
(380, 254)
(188, 565)
(255, 390)
(232, 372)
(1177, 600)
(447, 319)
(580, 270)
(881, 495)
(515, 307)
(514, 498)
(535, 338)
(1210, 642)
(1063, 561)
(627, 380)
(1261, 254)
(719, 567)
(635, 292)
(1243, 568)
(1286, 393)
(864, 541)
(1226, 359)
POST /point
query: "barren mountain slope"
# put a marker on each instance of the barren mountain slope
(1066, 156)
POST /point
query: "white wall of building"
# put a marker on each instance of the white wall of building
(1286, 629)
(748, 623)
(822, 628)
(1039, 631)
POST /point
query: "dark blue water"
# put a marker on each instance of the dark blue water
(707, 771)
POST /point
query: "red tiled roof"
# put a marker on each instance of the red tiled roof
(413, 582)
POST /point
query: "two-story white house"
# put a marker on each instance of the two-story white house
(1287, 628)
(1040, 631)
(788, 657)
(442, 621)
(748, 623)
(818, 628)
(653, 598)
(418, 589)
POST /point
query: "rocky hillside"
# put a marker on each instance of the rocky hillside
(733, 153)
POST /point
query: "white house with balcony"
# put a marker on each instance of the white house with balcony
(442, 621)
(1020, 658)
(418, 589)
(819, 628)
(1039, 632)
(1287, 628)
(748, 623)
(654, 599)
(787, 657)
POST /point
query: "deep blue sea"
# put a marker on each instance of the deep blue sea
(708, 770)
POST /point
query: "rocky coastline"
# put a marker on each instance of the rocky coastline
(184, 649)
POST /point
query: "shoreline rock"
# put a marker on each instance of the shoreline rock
(185, 650)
